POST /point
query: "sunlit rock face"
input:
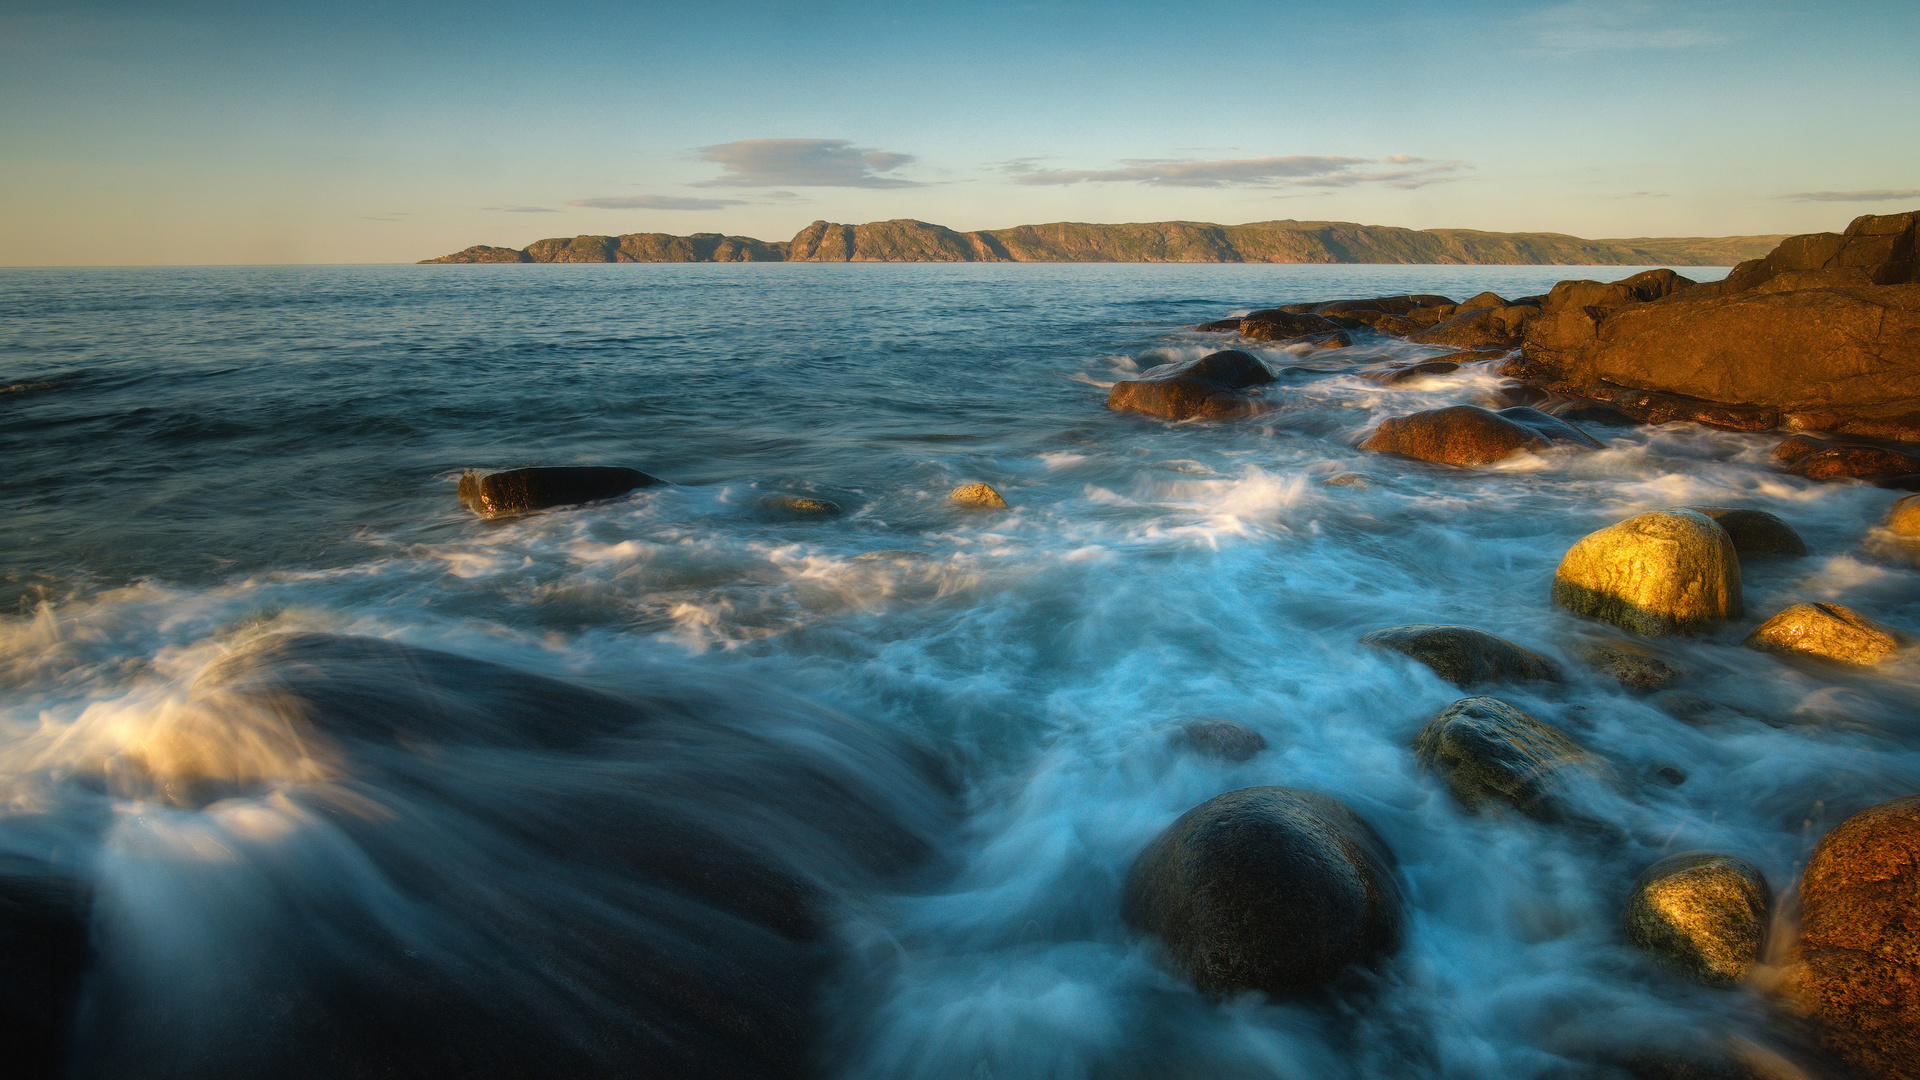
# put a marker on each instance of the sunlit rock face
(1267, 888)
(1665, 572)
(1702, 913)
(1827, 632)
(1856, 968)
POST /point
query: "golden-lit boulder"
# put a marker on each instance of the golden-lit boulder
(1903, 517)
(977, 497)
(1829, 632)
(1702, 913)
(1665, 572)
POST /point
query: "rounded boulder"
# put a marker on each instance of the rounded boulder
(1487, 751)
(1903, 517)
(1267, 888)
(1856, 968)
(1665, 572)
(1460, 435)
(1213, 387)
(1223, 739)
(1756, 532)
(1462, 655)
(1828, 632)
(1702, 913)
(977, 497)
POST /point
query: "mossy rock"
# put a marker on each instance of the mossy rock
(1487, 751)
(1827, 632)
(1463, 655)
(1665, 572)
(1703, 914)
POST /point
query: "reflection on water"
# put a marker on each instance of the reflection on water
(349, 781)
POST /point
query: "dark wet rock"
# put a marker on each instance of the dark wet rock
(44, 955)
(1827, 632)
(1488, 751)
(1410, 372)
(1665, 572)
(1593, 412)
(977, 496)
(1223, 739)
(1469, 435)
(1267, 888)
(1702, 913)
(1321, 342)
(1856, 970)
(1220, 326)
(1756, 532)
(1212, 387)
(1634, 666)
(649, 891)
(1480, 327)
(1903, 517)
(1670, 775)
(799, 506)
(1464, 656)
(1274, 324)
(518, 491)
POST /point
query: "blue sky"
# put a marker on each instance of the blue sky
(347, 132)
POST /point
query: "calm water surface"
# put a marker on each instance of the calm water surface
(197, 459)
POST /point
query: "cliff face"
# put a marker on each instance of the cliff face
(906, 240)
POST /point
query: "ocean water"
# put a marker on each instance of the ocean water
(956, 727)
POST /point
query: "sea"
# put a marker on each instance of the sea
(342, 768)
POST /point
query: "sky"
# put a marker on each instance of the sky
(351, 132)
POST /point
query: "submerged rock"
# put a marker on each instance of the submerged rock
(1856, 969)
(799, 505)
(1208, 387)
(518, 491)
(1755, 532)
(1635, 666)
(1829, 632)
(1488, 751)
(1223, 739)
(1463, 655)
(1703, 913)
(1665, 572)
(1267, 888)
(977, 497)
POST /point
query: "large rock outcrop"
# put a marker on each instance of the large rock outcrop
(1267, 888)
(1212, 387)
(1822, 334)
(1856, 967)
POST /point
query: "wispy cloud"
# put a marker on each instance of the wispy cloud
(1295, 170)
(784, 163)
(1594, 25)
(522, 209)
(656, 202)
(1639, 195)
(1876, 195)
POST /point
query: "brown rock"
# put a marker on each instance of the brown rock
(1219, 325)
(1854, 462)
(1349, 479)
(1462, 655)
(1480, 327)
(1223, 739)
(519, 491)
(1903, 517)
(1274, 324)
(1488, 751)
(1705, 914)
(1665, 572)
(1482, 300)
(1755, 532)
(1829, 632)
(1648, 285)
(1794, 447)
(1634, 666)
(977, 497)
(1856, 968)
(1211, 386)
(1459, 435)
(1266, 888)
(1410, 372)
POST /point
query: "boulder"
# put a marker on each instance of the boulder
(1480, 328)
(1641, 288)
(1483, 300)
(1267, 888)
(1851, 462)
(1464, 656)
(1828, 632)
(519, 491)
(1634, 666)
(1349, 479)
(1211, 387)
(1665, 572)
(977, 496)
(1469, 435)
(1219, 325)
(1223, 739)
(1274, 324)
(1878, 247)
(1705, 914)
(1856, 967)
(1592, 412)
(1487, 751)
(1410, 372)
(1755, 532)
(1903, 517)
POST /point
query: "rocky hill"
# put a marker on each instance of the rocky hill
(907, 240)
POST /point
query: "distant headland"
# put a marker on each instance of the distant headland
(907, 240)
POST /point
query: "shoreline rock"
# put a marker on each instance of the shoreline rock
(1212, 387)
(1664, 572)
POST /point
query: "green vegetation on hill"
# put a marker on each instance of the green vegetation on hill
(906, 240)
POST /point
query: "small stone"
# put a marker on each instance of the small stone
(800, 506)
(977, 497)
(1827, 631)
(1463, 655)
(1223, 739)
(1349, 479)
(1704, 914)
(1488, 751)
(1635, 666)
(1665, 572)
